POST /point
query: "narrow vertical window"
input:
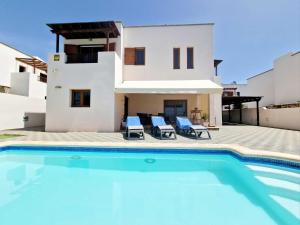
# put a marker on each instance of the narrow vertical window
(190, 58)
(176, 58)
(140, 56)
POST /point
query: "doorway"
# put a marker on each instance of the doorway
(173, 108)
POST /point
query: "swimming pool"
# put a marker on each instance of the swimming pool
(95, 186)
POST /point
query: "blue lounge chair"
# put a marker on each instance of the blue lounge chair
(159, 127)
(184, 125)
(134, 126)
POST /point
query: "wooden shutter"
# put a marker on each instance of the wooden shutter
(71, 49)
(129, 56)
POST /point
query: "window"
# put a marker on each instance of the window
(140, 56)
(22, 69)
(190, 58)
(176, 58)
(43, 77)
(134, 56)
(81, 98)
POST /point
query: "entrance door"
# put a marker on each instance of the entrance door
(173, 108)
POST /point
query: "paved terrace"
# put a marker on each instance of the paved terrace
(258, 138)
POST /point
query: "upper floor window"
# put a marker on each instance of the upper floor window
(190, 58)
(22, 69)
(176, 58)
(80, 98)
(134, 56)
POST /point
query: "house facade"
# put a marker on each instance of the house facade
(107, 71)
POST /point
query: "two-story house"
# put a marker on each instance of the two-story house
(107, 71)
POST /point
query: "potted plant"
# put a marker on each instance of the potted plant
(205, 119)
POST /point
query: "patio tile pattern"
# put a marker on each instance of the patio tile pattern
(253, 137)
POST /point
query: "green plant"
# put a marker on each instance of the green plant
(204, 117)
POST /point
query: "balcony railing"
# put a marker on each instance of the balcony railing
(82, 58)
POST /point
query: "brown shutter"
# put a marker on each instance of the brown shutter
(71, 49)
(129, 56)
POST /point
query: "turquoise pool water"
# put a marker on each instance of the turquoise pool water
(115, 188)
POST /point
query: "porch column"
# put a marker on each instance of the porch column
(257, 112)
(107, 41)
(215, 109)
(241, 113)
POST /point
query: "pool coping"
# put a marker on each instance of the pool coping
(235, 148)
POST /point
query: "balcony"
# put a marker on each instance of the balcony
(81, 58)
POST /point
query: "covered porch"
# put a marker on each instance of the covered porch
(200, 101)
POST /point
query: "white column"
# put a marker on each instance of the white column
(215, 109)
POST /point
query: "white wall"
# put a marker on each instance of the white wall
(159, 42)
(13, 108)
(285, 118)
(287, 79)
(27, 84)
(98, 77)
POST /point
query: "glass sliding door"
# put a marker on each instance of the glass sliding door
(173, 108)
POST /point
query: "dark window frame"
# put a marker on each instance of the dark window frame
(176, 62)
(82, 103)
(190, 58)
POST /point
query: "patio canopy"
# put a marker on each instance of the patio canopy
(34, 62)
(169, 87)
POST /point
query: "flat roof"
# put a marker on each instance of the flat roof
(169, 25)
(260, 74)
(83, 30)
(228, 100)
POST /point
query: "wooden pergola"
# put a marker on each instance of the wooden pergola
(238, 100)
(85, 30)
(34, 62)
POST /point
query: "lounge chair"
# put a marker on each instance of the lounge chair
(184, 125)
(159, 127)
(134, 126)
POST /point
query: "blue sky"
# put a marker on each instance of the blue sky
(248, 34)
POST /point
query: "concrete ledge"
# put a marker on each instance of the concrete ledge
(240, 150)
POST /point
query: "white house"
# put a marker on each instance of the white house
(23, 89)
(278, 86)
(280, 91)
(107, 71)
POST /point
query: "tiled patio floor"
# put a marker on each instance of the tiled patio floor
(259, 138)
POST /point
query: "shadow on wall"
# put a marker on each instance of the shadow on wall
(34, 119)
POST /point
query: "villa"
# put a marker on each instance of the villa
(107, 71)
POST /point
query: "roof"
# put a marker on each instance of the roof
(239, 99)
(34, 62)
(83, 30)
(259, 74)
(170, 25)
(169, 86)
(15, 49)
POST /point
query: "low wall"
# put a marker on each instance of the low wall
(20, 111)
(285, 118)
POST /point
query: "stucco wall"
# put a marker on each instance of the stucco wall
(27, 84)
(13, 108)
(287, 79)
(286, 118)
(98, 77)
(159, 42)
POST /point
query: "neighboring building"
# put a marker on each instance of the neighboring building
(108, 71)
(277, 86)
(23, 89)
(280, 91)
(22, 74)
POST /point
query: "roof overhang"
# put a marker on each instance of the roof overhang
(239, 99)
(169, 87)
(85, 30)
(34, 62)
